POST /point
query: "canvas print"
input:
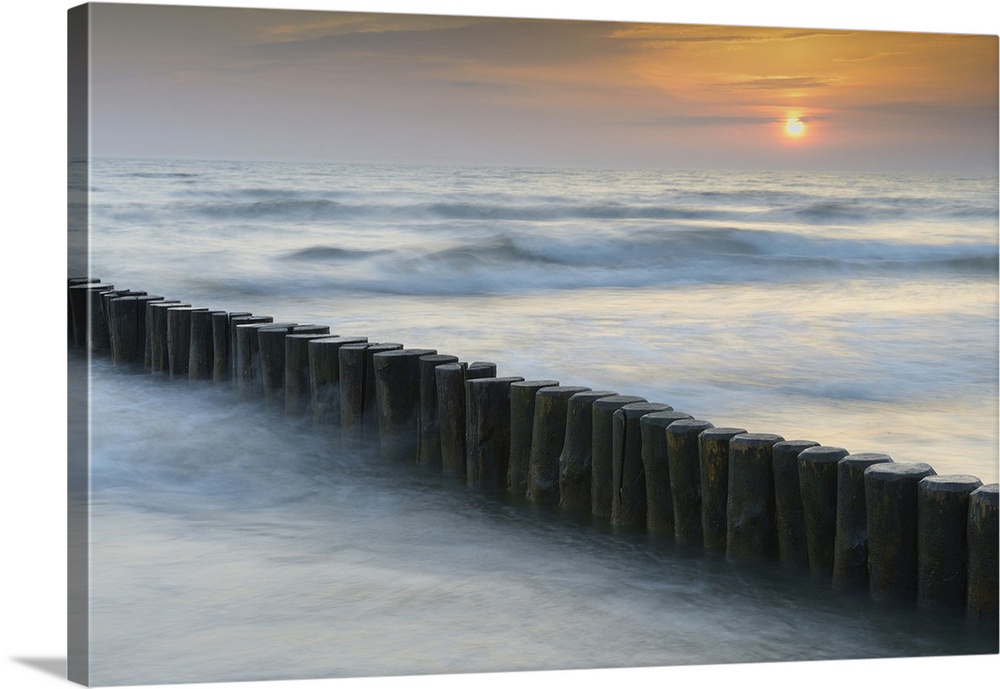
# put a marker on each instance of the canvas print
(410, 344)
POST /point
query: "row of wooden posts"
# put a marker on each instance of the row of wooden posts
(861, 520)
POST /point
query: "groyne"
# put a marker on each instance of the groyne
(862, 521)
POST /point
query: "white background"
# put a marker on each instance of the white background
(32, 358)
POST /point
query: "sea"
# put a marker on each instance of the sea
(229, 542)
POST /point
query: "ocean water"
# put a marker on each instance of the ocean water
(230, 543)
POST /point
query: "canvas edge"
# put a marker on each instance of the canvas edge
(78, 377)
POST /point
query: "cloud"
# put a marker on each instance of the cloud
(495, 42)
(779, 83)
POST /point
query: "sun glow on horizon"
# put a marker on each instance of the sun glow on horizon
(795, 127)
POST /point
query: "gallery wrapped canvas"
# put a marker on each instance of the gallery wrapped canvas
(443, 344)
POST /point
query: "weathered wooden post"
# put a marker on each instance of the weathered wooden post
(656, 467)
(156, 334)
(891, 506)
(575, 458)
(750, 523)
(97, 322)
(487, 431)
(249, 379)
(120, 321)
(481, 369)
(201, 354)
(850, 547)
(818, 488)
(789, 521)
(221, 365)
(684, 463)
(713, 456)
(547, 437)
(161, 334)
(75, 331)
(429, 451)
(353, 391)
(81, 301)
(628, 475)
(522, 422)
(271, 341)
(981, 535)
(234, 349)
(601, 449)
(179, 339)
(450, 382)
(128, 326)
(297, 390)
(358, 418)
(324, 377)
(111, 323)
(397, 402)
(942, 540)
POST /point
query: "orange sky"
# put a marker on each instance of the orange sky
(203, 82)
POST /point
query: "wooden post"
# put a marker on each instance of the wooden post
(576, 457)
(358, 418)
(221, 353)
(127, 327)
(234, 324)
(201, 355)
(818, 488)
(156, 334)
(111, 324)
(179, 339)
(981, 536)
(750, 522)
(75, 330)
(429, 450)
(481, 369)
(249, 378)
(628, 476)
(297, 390)
(522, 423)
(547, 437)
(684, 461)
(80, 301)
(97, 322)
(850, 547)
(601, 449)
(450, 383)
(449, 380)
(324, 377)
(271, 345)
(713, 456)
(942, 540)
(789, 521)
(891, 505)
(397, 402)
(487, 431)
(656, 466)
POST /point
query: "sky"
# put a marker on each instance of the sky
(250, 83)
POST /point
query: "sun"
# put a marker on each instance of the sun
(795, 127)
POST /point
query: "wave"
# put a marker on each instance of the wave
(513, 262)
(329, 253)
(275, 204)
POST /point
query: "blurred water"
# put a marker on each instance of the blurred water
(230, 543)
